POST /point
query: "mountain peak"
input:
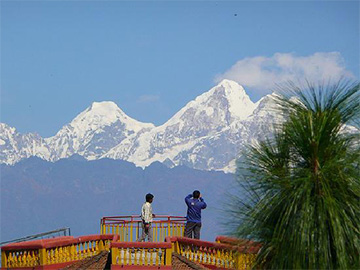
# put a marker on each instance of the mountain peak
(105, 108)
(106, 113)
(231, 89)
(99, 113)
(240, 105)
(227, 88)
(97, 118)
(229, 84)
(221, 105)
(266, 101)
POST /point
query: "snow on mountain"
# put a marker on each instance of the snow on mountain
(220, 106)
(93, 132)
(15, 146)
(208, 133)
(264, 120)
(195, 133)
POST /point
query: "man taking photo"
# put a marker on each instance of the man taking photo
(195, 204)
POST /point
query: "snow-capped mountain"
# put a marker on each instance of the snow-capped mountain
(264, 119)
(208, 133)
(15, 146)
(195, 133)
(95, 131)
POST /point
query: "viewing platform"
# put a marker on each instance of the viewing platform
(116, 248)
(129, 227)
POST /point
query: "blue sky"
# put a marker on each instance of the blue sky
(151, 58)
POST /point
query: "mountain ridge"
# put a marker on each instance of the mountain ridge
(208, 133)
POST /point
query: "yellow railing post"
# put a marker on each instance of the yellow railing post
(131, 232)
(155, 237)
(137, 231)
(3, 259)
(122, 238)
(73, 252)
(240, 263)
(173, 247)
(114, 255)
(177, 248)
(245, 261)
(218, 257)
(168, 257)
(169, 227)
(102, 226)
(101, 245)
(43, 256)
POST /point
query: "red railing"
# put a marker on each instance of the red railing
(226, 253)
(244, 245)
(129, 227)
(215, 255)
(53, 253)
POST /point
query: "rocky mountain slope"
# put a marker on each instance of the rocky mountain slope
(208, 133)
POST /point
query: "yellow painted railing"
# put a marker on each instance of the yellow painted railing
(143, 254)
(128, 228)
(247, 250)
(21, 258)
(216, 255)
(56, 251)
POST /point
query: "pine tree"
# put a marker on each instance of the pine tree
(302, 198)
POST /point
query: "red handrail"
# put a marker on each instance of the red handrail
(249, 249)
(57, 242)
(240, 243)
(110, 220)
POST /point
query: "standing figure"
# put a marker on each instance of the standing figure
(195, 204)
(147, 218)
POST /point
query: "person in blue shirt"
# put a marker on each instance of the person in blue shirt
(195, 204)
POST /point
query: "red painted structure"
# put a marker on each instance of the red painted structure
(59, 252)
(63, 241)
(243, 245)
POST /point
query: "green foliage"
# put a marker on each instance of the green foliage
(302, 186)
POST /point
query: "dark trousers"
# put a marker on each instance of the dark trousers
(192, 230)
(146, 232)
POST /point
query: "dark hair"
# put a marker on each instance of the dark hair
(196, 194)
(149, 197)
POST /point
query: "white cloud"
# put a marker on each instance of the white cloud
(262, 73)
(147, 98)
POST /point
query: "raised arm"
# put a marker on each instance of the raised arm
(187, 199)
(203, 203)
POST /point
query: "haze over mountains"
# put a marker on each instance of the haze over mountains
(39, 196)
(208, 133)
